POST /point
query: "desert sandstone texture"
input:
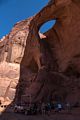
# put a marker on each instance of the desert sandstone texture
(43, 66)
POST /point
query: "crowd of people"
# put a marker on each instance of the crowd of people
(42, 108)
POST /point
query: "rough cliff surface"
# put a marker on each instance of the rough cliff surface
(43, 66)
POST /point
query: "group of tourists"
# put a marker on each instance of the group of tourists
(42, 108)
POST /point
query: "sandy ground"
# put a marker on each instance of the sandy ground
(74, 115)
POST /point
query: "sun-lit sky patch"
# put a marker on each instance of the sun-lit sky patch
(12, 11)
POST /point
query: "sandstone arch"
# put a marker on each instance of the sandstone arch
(51, 52)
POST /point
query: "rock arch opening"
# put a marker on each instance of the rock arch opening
(47, 26)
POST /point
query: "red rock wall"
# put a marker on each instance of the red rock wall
(49, 63)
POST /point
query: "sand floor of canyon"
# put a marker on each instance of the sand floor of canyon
(63, 115)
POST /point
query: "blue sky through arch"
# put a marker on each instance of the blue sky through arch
(46, 26)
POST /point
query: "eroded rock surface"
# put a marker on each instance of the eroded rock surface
(50, 62)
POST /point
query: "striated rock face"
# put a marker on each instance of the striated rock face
(9, 75)
(45, 66)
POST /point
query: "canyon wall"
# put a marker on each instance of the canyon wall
(46, 66)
